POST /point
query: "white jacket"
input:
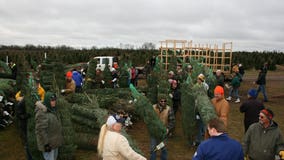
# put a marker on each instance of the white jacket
(116, 147)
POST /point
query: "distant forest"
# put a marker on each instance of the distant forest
(68, 55)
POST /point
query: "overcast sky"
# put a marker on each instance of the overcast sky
(249, 24)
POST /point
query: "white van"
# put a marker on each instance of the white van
(102, 61)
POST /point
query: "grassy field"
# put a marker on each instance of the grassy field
(12, 149)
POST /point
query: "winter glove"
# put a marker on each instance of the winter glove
(103, 82)
(171, 95)
(62, 90)
(5, 113)
(281, 154)
(47, 148)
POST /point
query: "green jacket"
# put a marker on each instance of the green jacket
(236, 82)
(48, 127)
(263, 143)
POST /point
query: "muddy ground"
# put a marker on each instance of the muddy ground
(12, 149)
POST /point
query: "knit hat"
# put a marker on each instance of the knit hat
(268, 113)
(201, 77)
(171, 73)
(114, 119)
(110, 121)
(219, 90)
(252, 93)
(69, 74)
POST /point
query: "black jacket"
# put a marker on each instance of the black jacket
(176, 97)
(251, 108)
(261, 80)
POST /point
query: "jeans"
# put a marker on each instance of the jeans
(235, 91)
(201, 131)
(52, 155)
(164, 152)
(128, 81)
(261, 88)
(28, 153)
(115, 84)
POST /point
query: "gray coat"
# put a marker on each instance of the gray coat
(48, 127)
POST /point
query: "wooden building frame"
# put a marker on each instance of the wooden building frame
(214, 57)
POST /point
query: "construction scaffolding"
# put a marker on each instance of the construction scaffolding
(214, 57)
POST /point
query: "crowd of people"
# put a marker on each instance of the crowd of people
(212, 140)
(262, 138)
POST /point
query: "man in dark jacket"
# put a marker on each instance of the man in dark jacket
(263, 140)
(175, 96)
(261, 81)
(251, 107)
(48, 127)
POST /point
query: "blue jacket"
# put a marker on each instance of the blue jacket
(77, 77)
(219, 148)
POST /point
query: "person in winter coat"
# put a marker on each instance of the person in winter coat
(77, 77)
(114, 146)
(180, 73)
(219, 145)
(99, 79)
(202, 87)
(40, 92)
(14, 69)
(222, 107)
(114, 76)
(175, 95)
(241, 70)
(263, 140)
(251, 108)
(201, 81)
(235, 85)
(220, 78)
(171, 77)
(166, 115)
(133, 74)
(261, 81)
(70, 85)
(48, 127)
